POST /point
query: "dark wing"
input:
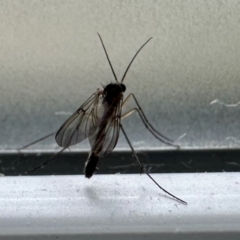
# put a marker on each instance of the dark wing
(106, 135)
(77, 127)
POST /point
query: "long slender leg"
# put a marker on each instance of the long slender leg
(43, 164)
(128, 113)
(47, 161)
(39, 140)
(143, 117)
(141, 166)
(126, 99)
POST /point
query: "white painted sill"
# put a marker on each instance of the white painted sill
(120, 207)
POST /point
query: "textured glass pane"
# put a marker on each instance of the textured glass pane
(186, 79)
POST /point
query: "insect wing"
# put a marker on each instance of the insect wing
(106, 135)
(77, 127)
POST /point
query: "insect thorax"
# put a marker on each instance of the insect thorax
(113, 92)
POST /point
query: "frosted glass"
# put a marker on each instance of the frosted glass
(186, 79)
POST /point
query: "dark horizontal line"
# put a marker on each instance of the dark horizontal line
(176, 161)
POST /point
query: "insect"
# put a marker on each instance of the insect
(99, 120)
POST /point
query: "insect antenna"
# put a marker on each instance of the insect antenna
(108, 58)
(124, 75)
(142, 168)
(42, 164)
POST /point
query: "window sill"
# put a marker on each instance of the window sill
(120, 206)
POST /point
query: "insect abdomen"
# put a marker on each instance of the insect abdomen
(91, 164)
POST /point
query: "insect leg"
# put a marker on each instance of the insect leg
(39, 140)
(142, 168)
(43, 164)
(128, 113)
(150, 128)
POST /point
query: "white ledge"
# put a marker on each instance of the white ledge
(116, 206)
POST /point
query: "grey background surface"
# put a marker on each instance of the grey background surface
(186, 79)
